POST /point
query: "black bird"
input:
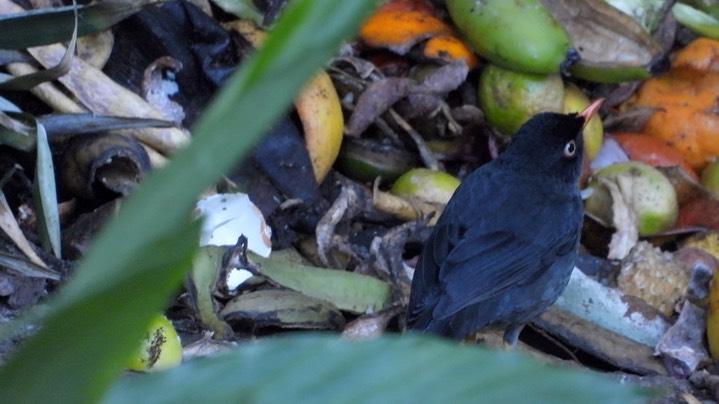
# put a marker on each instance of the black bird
(505, 245)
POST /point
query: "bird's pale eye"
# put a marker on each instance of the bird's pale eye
(570, 149)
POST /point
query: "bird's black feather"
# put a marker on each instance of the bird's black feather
(505, 245)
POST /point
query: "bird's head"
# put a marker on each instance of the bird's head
(551, 144)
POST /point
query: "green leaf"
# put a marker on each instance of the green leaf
(91, 325)
(283, 308)
(347, 290)
(407, 369)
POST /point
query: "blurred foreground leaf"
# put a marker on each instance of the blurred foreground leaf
(394, 369)
(140, 257)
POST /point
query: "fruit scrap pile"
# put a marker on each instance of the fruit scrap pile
(430, 91)
(446, 87)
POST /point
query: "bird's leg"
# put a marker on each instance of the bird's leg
(511, 335)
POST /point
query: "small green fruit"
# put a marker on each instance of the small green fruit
(426, 185)
(509, 98)
(648, 192)
(160, 348)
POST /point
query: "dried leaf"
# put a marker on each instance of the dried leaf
(682, 347)
(24, 266)
(157, 90)
(103, 96)
(375, 101)
(284, 309)
(612, 45)
(9, 225)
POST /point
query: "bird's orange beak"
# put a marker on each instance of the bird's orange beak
(588, 112)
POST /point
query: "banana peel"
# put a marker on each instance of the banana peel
(317, 105)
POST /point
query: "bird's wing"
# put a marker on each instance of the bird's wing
(426, 274)
(485, 263)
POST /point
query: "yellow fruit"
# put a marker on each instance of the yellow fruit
(509, 98)
(160, 348)
(318, 107)
(320, 111)
(576, 101)
(427, 185)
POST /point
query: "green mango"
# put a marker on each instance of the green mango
(517, 34)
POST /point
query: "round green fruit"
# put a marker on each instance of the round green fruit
(647, 191)
(509, 98)
(160, 347)
(426, 185)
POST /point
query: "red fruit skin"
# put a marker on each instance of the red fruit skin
(652, 151)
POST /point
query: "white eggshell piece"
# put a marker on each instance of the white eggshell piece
(227, 216)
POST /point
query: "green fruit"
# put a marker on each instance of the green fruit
(365, 160)
(509, 98)
(516, 34)
(426, 185)
(648, 193)
(710, 178)
(160, 348)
